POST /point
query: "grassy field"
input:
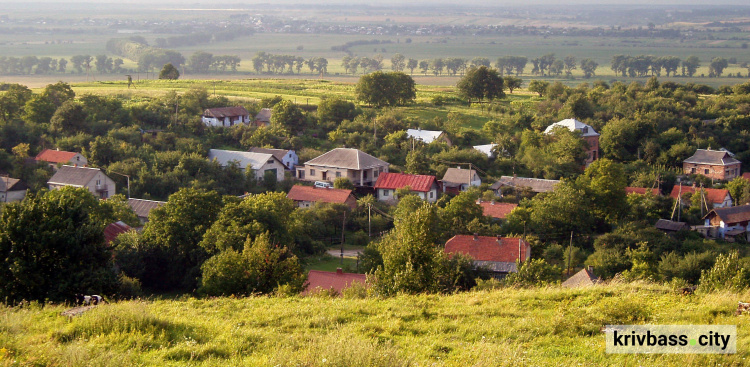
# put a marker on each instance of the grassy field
(530, 327)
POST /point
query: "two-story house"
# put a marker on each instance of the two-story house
(359, 167)
(714, 164)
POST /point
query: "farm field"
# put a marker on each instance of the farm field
(509, 327)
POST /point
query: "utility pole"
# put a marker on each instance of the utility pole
(127, 177)
(343, 224)
(369, 220)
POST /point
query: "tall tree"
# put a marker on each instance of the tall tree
(481, 83)
(169, 72)
(398, 62)
(386, 89)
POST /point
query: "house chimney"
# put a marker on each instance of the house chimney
(492, 202)
(339, 271)
(476, 236)
(591, 269)
(499, 240)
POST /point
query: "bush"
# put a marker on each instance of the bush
(129, 287)
(726, 274)
(533, 273)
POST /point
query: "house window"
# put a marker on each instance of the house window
(338, 174)
(432, 194)
(312, 172)
(705, 171)
(692, 170)
(364, 174)
(386, 192)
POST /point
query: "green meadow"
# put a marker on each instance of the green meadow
(507, 327)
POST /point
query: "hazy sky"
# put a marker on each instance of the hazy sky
(401, 2)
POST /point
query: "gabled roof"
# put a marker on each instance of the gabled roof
(73, 176)
(264, 115)
(254, 160)
(711, 157)
(347, 158)
(671, 226)
(55, 156)
(222, 112)
(421, 183)
(142, 207)
(427, 136)
(486, 149)
(278, 153)
(731, 215)
(641, 190)
(713, 196)
(582, 278)
(459, 176)
(11, 184)
(112, 230)
(483, 248)
(318, 279)
(573, 125)
(497, 210)
(318, 194)
(535, 184)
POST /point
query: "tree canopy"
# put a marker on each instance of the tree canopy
(481, 83)
(386, 89)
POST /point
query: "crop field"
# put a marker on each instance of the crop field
(530, 327)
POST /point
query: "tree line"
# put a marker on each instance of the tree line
(47, 65)
(281, 64)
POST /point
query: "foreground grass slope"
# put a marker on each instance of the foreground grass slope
(550, 326)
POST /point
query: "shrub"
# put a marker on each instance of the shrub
(726, 274)
(533, 273)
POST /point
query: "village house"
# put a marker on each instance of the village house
(496, 254)
(535, 185)
(487, 149)
(728, 222)
(319, 280)
(142, 208)
(11, 190)
(92, 179)
(261, 163)
(587, 133)
(59, 157)
(583, 278)
(715, 198)
(113, 230)
(288, 157)
(428, 136)
(714, 164)
(424, 186)
(359, 167)
(642, 191)
(670, 226)
(307, 196)
(496, 210)
(458, 179)
(263, 118)
(225, 116)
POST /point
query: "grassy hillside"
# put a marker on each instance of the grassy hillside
(547, 327)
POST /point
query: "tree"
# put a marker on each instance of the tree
(588, 66)
(398, 62)
(411, 65)
(717, 66)
(607, 182)
(512, 83)
(386, 89)
(481, 83)
(69, 118)
(533, 273)
(569, 64)
(288, 115)
(690, 65)
(336, 109)
(169, 72)
(13, 100)
(200, 62)
(261, 267)
(52, 246)
(539, 86)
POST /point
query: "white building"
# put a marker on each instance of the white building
(260, 162)
(226, 116)
(92, 179)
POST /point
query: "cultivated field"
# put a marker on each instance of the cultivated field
(531, 327)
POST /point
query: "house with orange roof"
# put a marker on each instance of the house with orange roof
(424, 186)
(642, 191)
(307, 196)
(715, 198)
(496, 254)
(60, 157)
(318, 280)
(496, 210)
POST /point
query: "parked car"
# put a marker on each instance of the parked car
(323, 184)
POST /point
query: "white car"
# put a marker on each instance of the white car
(323, 184)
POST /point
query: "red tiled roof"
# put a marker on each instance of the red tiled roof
(332, 280)
(55, 156)
(746, 176)
(482, 248)
(497, 210)
(112, 230)
(640, 190)
(315, 194)
(714, 196)
(421, 183)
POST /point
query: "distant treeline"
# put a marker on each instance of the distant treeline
(345, 47)
(202, 38)
(148, 58)
(47, 65)
(279, 64)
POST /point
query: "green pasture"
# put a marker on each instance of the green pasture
(508, 327)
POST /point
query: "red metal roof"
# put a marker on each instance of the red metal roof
(332, 280)
(714, 196)
(421, 183)
(640, 190)
(112, 230)
(55, 156)
(497, 210)
(316, 194)
(482, 248)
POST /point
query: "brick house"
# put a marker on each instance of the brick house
(588, 134)
(714, 164)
